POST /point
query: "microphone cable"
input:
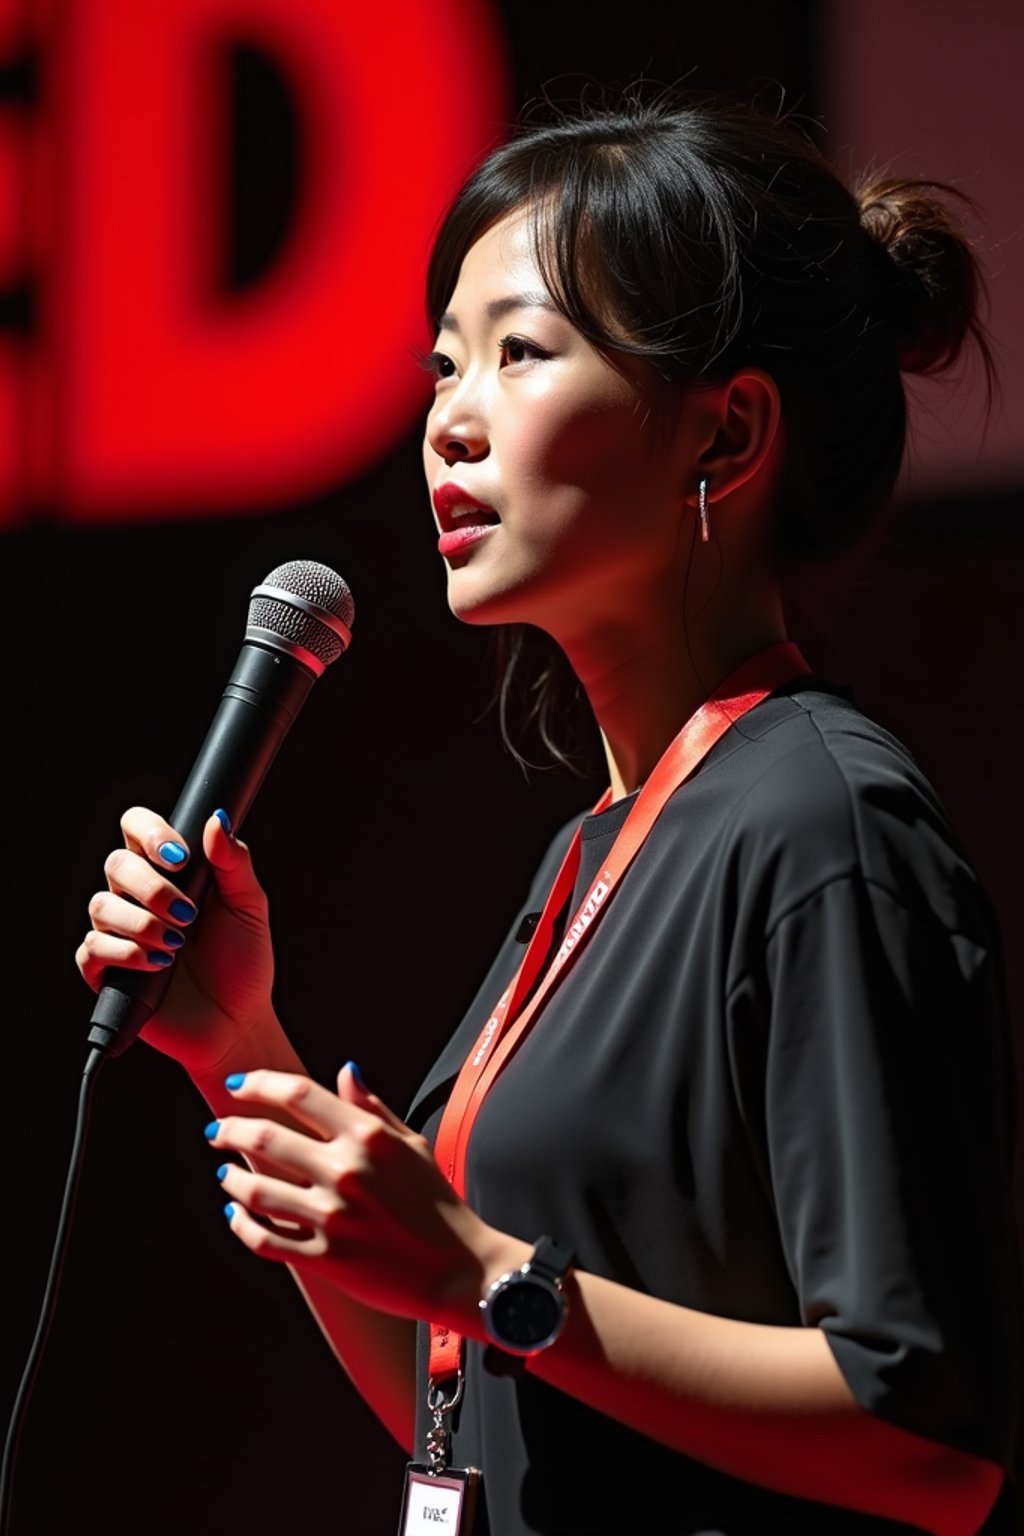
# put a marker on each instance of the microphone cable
(60, 1246)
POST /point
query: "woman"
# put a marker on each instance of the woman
(758, 1093)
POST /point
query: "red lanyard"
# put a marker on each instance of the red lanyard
(510, 1022)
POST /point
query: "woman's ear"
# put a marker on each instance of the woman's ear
(747, 434)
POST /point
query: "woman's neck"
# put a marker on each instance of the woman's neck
(643, 685)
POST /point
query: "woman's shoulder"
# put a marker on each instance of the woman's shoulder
(811, 753)
(810, 790)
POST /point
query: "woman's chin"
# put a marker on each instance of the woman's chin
(482, 612)
(473, 601)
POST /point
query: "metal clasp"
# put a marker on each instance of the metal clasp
(439, 1435)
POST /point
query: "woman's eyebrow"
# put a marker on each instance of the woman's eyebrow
(497, 309)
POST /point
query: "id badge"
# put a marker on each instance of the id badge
(439, 1502)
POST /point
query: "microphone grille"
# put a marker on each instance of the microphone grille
(311, 583)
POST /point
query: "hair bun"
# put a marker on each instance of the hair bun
(940, 286)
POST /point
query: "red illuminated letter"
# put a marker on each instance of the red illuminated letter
(159, 393)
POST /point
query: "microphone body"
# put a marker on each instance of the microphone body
(269, 685)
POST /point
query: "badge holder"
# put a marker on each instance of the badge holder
(439, 1497)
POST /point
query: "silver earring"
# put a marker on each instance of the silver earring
(702, 507)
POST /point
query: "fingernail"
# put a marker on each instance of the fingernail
(222, 1171)
(350, 1066)
(225, 821)
(158, 957)
(235, 1080)
(172, 938)
(229, 1210)
(183, 910)
(172, 853)
(212, 1129)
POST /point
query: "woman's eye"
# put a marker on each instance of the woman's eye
(516, 349)
(439, 364)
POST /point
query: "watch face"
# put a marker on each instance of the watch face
(525, 1314)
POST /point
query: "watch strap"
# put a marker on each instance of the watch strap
(551, 1260)
(497, 1362)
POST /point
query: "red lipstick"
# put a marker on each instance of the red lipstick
(463, 518)
(458, 539)
(450, 499)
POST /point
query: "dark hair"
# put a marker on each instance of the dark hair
(716, 237)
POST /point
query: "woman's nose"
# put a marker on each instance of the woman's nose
(455, 430)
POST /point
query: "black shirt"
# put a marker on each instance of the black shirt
(774, 1087)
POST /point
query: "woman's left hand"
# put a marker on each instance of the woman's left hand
(355, 1195)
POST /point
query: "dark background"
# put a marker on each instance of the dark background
(185, 1389)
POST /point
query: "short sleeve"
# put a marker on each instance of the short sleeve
(887, 1144)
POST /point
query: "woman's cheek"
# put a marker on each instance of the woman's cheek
(607, 429)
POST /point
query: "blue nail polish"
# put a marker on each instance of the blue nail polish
(172, 853)
(229, 1210)
(172, 938)
(158, 957)
(350, 1066)
(235, 1080)
(222, 1171)
(225, 821)
(212, 1129)
(182, 910)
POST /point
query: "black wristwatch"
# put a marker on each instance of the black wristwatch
(524, 1310)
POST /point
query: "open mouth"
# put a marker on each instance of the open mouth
(456, 508)
(476, 517)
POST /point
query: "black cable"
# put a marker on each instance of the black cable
(60, 1243)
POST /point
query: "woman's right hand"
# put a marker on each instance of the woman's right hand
(220, 993)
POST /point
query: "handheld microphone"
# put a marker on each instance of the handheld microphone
(300, 620)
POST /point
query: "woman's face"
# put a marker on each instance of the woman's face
(558, 494)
